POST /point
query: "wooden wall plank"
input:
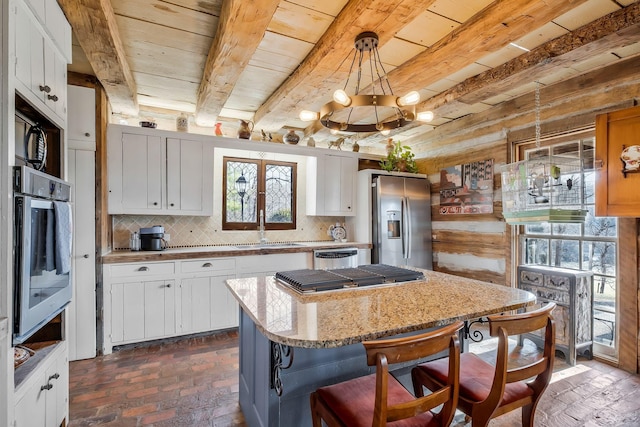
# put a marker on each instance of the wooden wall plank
(485, 276)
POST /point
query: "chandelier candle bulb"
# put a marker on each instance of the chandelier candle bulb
(308, 116)
(412, 98)
(425, 116)
(341, 97)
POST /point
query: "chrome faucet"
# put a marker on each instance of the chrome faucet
(263, 239)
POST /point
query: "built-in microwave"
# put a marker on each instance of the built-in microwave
(41, 250)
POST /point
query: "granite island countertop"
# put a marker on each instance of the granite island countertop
(342, 317)
(230, 250)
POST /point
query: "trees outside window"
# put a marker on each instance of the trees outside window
(258, 188)
(589, 246)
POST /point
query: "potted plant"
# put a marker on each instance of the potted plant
(400, 159)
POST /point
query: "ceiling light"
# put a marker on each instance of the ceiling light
(307, 116)
(337, 114)
(425, 116)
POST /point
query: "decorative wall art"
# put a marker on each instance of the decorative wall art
(467, 188)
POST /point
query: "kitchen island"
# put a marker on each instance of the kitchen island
(292, 343)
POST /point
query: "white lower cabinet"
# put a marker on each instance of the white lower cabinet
(152, 300)
(42, 399)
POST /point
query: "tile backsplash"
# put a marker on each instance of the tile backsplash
(189, 231)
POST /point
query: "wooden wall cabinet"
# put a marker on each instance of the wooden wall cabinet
(616, 194)
(572, 291)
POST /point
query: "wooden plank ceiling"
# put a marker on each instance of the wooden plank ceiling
(266, 60)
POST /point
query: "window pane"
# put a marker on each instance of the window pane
(565, 253)
(569, 229)
(536, 251)
(279, 194)
(241, 192)
(542, 228)
(599, 257)
(589, 187)
(600, 226)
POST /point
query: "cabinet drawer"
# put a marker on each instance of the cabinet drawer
(546, 294)
(142, 269)
(531, 277)
(208, 265)
(561, 283)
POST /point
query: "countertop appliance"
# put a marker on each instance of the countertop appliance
(42, 249)
(308, 280)
(324, 259)
(152, 238)
(401, 221)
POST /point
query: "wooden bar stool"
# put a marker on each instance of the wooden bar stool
(378, 399)
(488, 391)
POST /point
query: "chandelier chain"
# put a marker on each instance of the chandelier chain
(537, 114)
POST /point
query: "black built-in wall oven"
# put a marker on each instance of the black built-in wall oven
(41, 250)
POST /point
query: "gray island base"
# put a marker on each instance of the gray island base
(291, 343)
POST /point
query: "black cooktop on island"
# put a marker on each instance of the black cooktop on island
(308, 280)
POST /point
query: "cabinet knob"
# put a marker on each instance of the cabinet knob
(155, 203)
(45, 88)
(207, 265)
(172, 204)
(54, 98)
(143, 268)
(54, 376)
(48, 386)
(87, 134)
(85, 256)
(168, 285)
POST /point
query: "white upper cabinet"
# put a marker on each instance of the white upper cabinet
(81, 111)
(153, 172)
(331, 183)
(40, 66)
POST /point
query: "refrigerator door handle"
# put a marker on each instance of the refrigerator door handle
(409, 227)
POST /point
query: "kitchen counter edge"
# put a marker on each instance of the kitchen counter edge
(175, 254)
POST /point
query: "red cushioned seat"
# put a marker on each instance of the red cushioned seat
(487, 391)
(476, 379)
(380, 400)
(358, 410)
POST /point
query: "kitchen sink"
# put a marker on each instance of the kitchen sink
(267, 245)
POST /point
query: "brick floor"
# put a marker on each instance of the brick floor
(194, 382)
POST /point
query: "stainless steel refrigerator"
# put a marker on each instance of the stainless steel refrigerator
(401, 221)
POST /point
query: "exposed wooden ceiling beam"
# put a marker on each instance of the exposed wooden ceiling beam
(240, 30)
(619, 28)
(325, 66)
(494, 27)
(94, 24)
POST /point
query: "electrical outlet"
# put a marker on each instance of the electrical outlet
(167, 236)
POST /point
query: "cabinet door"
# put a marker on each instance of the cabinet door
(127, 311)
(82, 116)
(142, 173)
(57, 376)
(339, 198)
(81, 313)
(56, 79)
(24, 32)
(38, 8)
(331, 181)
(616, 192)
(159, 309)
(207, 304)
(31, 409)
(189, 176)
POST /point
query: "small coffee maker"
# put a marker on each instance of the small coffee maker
(152, 238)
